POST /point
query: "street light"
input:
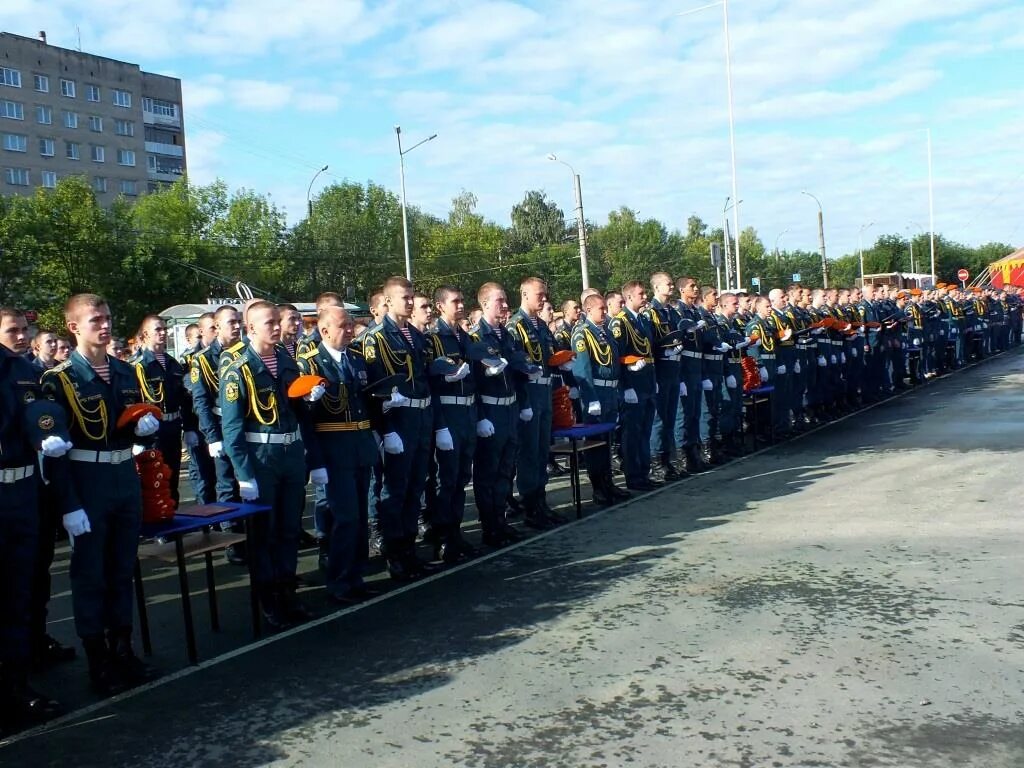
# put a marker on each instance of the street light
(401, 167)
(309, 191)
(860, 249)
(821, 238)
(580, 223)
(777, 238)
(920, 230)
(728, 244)
(732, 124)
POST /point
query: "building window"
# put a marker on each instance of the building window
(92, 92)
(95, 124)
(124, 127)
(67, 88)
(73, 150)
(14, 142)
(42, 83)
(126, 157)
(129, 187)
(49, 179)
(122, 98)
(17, 176)
(160, 107)
(46, 147)
(44, 114)
(70, 119)
(13, 110)
(99, 184)
(11, 77)
(98, 153)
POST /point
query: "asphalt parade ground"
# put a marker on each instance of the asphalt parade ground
(849, 598)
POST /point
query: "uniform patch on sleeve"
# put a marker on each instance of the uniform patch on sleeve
(194, 375)
(29, 397)
(369, 351)
(231, 391)
(581, 345)
(46, 422)
(617, 331)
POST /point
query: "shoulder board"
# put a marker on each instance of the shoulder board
(309, 354)
(56, 369)
(235, 349)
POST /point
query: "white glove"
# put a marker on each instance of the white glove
(484, 428)
(54, 446)
(147, 425)
(657, 388)
(853, 351)
(730, 381)
(191, 439)
(817, 332)
(781, 370)
(460, 373)
(393, 443)
(594, 408)
(494, 370)
(639, 365)
(822, 362)
(248, 490)
(216, 450)
(630, 396)
(137, 449)
(763, 372)
(565, 367)
(842, 355)
(443, 440)
(796, 367)
(526, 414)
(682, 389)
(318, 476)
(675, 353)
(574, 393)
(535, 374)
(315, 393)
(76, 523)
(706, 385)
(724, 347)
(397, 400)
(702, 324)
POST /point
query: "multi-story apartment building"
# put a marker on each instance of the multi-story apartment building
(68, 113)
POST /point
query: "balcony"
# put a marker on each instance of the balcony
(159, 148)
(152, 118)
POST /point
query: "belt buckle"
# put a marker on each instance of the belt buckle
(288, 439)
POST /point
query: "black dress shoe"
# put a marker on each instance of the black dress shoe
(235, 554)
(515, 508)
(511, 534)
(642, 486)
(398, 571)
(306, 539)
(24, 707)
(618, 493)
(128, 667)
(538, 521)
(364, 591)
(295, 610)
(48, 652)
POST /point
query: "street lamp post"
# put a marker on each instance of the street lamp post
(777, 238)
(309, 191)
(728, 245)
(821, 239)
(581, 225)
(911, 238)
(860, 249)
(401, 169)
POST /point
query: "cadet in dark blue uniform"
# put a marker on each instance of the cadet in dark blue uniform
(596, 369)
(712, 375)
(27, 425)
(663, 319)
(454, 387)
(99, 492)
(782, 380)
(342, 452)
(691, 370)
(734, 341)
(263, 438)
(162, 383)
(502, 395)
(407, 424)
(633, 339)
(201, 470)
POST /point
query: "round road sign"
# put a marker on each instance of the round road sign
(962, 275)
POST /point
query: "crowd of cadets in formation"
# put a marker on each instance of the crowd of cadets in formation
(409, 410)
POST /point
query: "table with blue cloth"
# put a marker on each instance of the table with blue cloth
(581, 438)
(175, 530)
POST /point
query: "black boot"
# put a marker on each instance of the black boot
(20, 705)
(412, 562)
(272, 608)
(102, 674)
(602, 496)
(694, 464)
(393, 556)
(617, 493)
(553, 517)
(48, 652)
(130, 668)
(533, 515)
(293, 608)
(455, 549)
(669, 473)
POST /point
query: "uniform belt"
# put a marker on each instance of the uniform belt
(712, 357)
(456, 400)
(736, 359)
(100, 457)
(174, 416)
(542, 380)
(606, 382)
(688, 353)
(280, 438)
(341, 426)
(836, 342)
(416, 402)
(488, 400)
(14, 474)
(768, 356)
(215, 410)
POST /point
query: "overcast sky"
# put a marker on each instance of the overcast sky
(832, 97)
